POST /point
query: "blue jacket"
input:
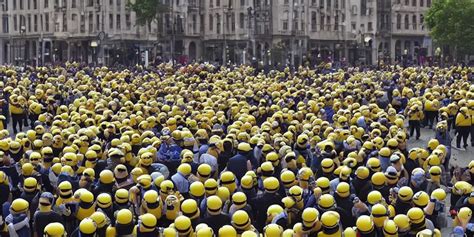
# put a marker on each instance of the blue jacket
(169, 152)
(21, 223)
(181, 182)
(238, 165)
(444, 138)
(329, 113)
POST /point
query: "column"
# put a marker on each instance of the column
(392, 50)
(2, 51)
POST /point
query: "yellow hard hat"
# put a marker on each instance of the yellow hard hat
(54, 229)
(88, 226)
(365, 224)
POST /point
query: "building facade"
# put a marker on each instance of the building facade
(273, 32)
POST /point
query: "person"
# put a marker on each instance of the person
(45, 215)
(414, 117)
(463, 127)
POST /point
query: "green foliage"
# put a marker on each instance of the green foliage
(452, 23)
(147, 11)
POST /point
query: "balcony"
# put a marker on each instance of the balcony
(194, 8)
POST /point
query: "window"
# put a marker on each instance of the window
(65, 23)
(46, 22)
(128, 22)
(211, 3)
(218, 19)
(407, 23)
(336, 4)
(201, 23)
(428, 3)
(218, 3)
(353, 26)
(285, 25)
(370, 26)
(321, 3)
(329, 3)
(111, 2)
(179, 24)
(407, 2)
(242, 20)
(295, 14)
(242, 2)
(73, 3)
(194, 19)
(5, 24)
(14, 4)
(83, 24)
(336, 22)
(119, 23)
(21, 4)
(399, 21)
(413, 3)
(64, 4)
(29, 23)
(28, 4)
(313, 21)
(15, 23)
(363, 7)
(422, 3)
(91, 22)
(286, 2)
(119, 4)
(328, 22)
(211, 22)
(413, 22)
(233, 22)
(90, 3)
(362, 27)
(35, 4)
(97, 22)
(35, 23)
(321, 23)
(295, 25)
(422, 21)
(111, 21)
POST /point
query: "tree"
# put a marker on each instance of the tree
(147, 11)
(451, 24)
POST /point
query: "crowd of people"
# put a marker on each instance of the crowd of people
(199, 150)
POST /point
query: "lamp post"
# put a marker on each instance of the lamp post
(94, 45)
(224, 32)
(23, 33)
